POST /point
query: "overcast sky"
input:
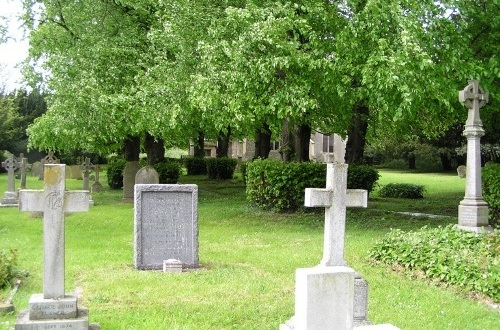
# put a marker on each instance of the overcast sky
(14, 51)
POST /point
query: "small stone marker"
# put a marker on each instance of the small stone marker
(129, 173)
(325, 296)
(53, 309)
(147, 175)
(97, 186)
(49, 159)
(36, 169)
(10, 195)
(473, 210)
(165, 225)
(462, 171)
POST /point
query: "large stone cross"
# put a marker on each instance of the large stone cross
(86, 168)
(335, 198)
(474, 99)
(10, 165)
(53, 201)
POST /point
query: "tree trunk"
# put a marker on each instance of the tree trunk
(357, 134)
(155, 149)
(287, 148)
(263, 142)
(445, 161)
(223, 143)
(131, 148)
(199, 145)
(302, 139)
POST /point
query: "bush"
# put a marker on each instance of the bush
(362, 177)
(402, 190)
(221, 168)
(243, 170)
(195, 166)
(491, 192)
(8, 263)
(115, 172)
(447, 255)
(168, 171)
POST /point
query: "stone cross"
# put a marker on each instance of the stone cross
(23, 167)
(97, 186)
(49, 159)
(335, 198)
(473, 210)
(86, 168)
(11, 164)
(53, 201)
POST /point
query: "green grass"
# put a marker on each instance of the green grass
(248, 259)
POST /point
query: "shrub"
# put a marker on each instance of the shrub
(8, 263)
(491, 192)
(362, 177)
(402, 190)
(115, 172)
(195, 165)
(221, 168)
(243, 170)
(168, 171)
(447, 255)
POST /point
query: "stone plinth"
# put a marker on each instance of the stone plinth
(81, 322)
(9, 199)
(47, 309)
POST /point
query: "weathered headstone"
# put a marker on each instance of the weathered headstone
(10, 195)
(147, 175)
(49, 159)
(23, 167)
(36, 169)
(129, 173)
(473, 210)
(462, 171)
(86, 167)
(53, 309)
(331, 295)
(97, 186)
(76, 172)
(165, 225)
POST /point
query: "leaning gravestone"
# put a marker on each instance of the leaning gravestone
(129, 173)
(147, 175)
(54, 309)
(10, 195)
(165, 225)
(473, 210)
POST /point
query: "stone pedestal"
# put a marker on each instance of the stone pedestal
(62, 313)
(473, 216)
(9, 199)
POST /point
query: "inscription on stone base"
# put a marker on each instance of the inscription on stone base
(80, 323)
(44, 309)
(473, 216)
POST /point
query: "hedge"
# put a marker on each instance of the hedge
(491, 192)
(221, 168)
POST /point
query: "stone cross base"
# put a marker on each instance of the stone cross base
(9, 199)
(473, 216)
(62, 313)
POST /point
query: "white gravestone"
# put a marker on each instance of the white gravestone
(473, 210)
(10, 195)
(165, 225)
(53, 309)
(325, 295)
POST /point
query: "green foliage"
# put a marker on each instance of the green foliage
(195, 165)
(277, 185)
(491, 192)
(362, 177)
(446, 255)
(115, 172)
(221, 168)
(243, 170)
(168, 171)
(402, 190)
(8, 264)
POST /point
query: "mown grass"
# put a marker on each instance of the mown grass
(248, 259)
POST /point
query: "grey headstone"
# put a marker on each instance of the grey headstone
(165, 225)
(76, 172)
(462, 171)
(36, 168)
(147, 175)
(129, 173)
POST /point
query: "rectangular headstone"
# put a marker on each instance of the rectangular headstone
(165, 225)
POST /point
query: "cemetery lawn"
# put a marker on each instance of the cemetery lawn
(248, 259)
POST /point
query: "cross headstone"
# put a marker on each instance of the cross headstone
(97, 186)
(86, 167)
(473, 210)
(49, 159)
(10, 195)
(53, 201)
(23, 167)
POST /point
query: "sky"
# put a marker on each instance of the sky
(15, 50)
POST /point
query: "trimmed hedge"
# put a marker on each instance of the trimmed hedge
(491, 192)
(277, 185)
(195, 165)
(168, 171)
(221, 168)
(402, 190)
(115, 172)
